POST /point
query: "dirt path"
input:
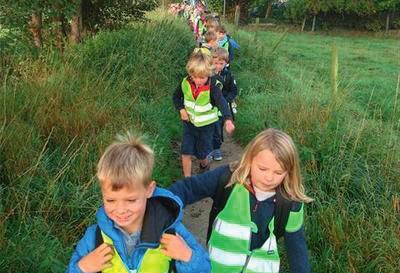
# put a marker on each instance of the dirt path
(196, 215)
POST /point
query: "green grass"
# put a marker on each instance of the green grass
(58, 114)
(348, 142)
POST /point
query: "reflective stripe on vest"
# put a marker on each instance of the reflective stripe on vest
(200, 110)
(231, 236)
(153, 261)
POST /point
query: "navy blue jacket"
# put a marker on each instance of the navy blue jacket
(195, 188)
(229, 91)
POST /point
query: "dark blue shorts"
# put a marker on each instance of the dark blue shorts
(197, 141)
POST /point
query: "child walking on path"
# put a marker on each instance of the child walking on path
(198, 99)
(229, 91)
(136, 226)
(255, 202)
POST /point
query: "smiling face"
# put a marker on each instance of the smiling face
(266, 173)
(126, 206)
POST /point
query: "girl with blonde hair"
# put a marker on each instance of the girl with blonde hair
(255, 202)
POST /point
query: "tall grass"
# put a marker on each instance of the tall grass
(342, 111)
(57, 116)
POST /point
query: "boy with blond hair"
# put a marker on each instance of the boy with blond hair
(198, 98)
(229, 91)
(139, 226)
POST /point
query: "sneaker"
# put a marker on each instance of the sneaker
(217, 155)
(210, 156)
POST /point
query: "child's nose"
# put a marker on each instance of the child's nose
(269, 176)
(120, 207)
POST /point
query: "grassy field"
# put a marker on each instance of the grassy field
(348, 140)
(57, 115)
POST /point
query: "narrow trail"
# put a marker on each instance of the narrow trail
(196, 215)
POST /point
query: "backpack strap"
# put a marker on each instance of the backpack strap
(172, 265)
(220, 198)
(98, 239)
(282, 210)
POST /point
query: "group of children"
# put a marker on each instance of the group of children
(205, 98)
(255, 201)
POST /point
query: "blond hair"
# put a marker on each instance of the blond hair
(284, 149)
(210, 36)
(199, 65)
(126, 163)
(211, 22)
(220, 29)
(221, 54)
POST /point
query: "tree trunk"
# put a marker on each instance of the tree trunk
(304, 23)
(35, 27)
(243, 4)
(387, 22)
(75, 35)
(269, 8)
(224, 8)
(61, 32)
(237, 16)
(313, 23)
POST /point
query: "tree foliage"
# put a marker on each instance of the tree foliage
(298, 9)
(53, 17)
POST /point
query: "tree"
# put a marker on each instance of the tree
(387, 6)
(35, 27)
(50, 18)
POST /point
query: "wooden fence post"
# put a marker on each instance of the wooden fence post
(237, 16)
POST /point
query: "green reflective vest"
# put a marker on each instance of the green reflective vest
(153, 261)
(229, 244)
(201, 112)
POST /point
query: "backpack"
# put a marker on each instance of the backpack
(282, 207)
(232, 45)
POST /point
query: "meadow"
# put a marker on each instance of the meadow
(348, 137)
(58, 113)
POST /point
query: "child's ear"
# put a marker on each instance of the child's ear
(150, 189)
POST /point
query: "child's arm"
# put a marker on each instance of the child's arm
(232, 88)
(296, 248)
(177, 99)
(218, 100)
(86, 258)
(190, 256)
(194, 188)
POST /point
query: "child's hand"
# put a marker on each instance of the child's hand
(175, 247)
(97, 260)
(184, 114)
(229, 126)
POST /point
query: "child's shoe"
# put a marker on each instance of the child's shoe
(210, 156)
(217, 155)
